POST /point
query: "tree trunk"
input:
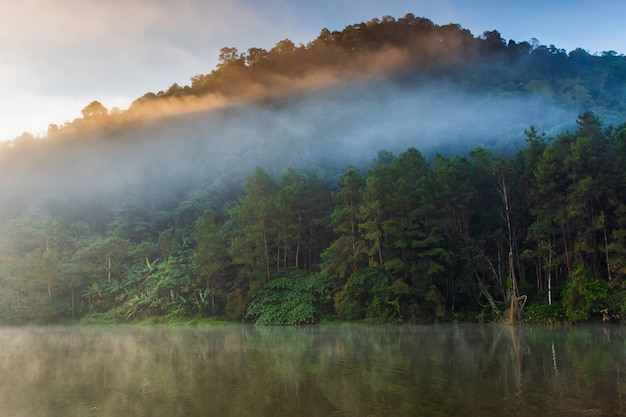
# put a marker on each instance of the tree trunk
(267, 255)
(565, 248)
(550, 279)
(378, 244)
(606, 251)
(109, 255)
(514, 295)
(297, 248)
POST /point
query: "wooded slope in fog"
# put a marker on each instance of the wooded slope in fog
(388, 83)
(107, 213)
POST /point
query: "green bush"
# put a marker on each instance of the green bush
(544, 313)
(584, 297)
(296, 298)
(615, 306)
(371, 295)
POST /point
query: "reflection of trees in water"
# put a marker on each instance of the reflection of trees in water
(561, 371)
(312, 371)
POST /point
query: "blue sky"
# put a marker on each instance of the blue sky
(59, 55)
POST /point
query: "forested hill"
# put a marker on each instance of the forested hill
(388, 83)
(387, 172)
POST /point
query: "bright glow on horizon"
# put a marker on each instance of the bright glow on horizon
(34, 114)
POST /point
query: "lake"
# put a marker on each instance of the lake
(334, 370)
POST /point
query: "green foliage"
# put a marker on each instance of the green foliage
(544, 313)
(409, 240)
(584, 296)
(615, 308)
(371, 294)
(295, 298)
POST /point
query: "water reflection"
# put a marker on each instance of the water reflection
(313, 371)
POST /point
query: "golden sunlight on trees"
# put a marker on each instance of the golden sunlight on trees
(93, 110)
(227, 55)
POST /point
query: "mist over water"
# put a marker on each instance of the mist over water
(461, 370)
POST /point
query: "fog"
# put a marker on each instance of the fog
(217, 143)
(343, 370)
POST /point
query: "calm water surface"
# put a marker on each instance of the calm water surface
(312, 371)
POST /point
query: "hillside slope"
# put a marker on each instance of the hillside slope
(386, 84)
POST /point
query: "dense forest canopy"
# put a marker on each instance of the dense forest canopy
(396, 170)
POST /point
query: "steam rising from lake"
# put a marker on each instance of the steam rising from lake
(310, 370)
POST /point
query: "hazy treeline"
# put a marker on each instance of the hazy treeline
(407, 50)
(535, 236)
(107, 215)
(387, 83)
